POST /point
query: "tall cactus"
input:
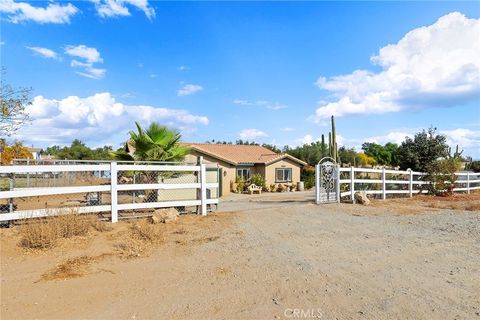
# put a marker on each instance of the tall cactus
(323, 147)
(456, 155)
(330, 145)
(334, 152)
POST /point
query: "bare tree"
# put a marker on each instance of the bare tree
(13, 114)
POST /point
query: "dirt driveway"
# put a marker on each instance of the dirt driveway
(266, 260)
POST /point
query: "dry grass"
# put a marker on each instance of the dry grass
(140, 239)
(180, 231)
(473, 207)
(102, 226)
(72, 268)
(44, 233)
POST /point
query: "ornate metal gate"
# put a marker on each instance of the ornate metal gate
(327, 187)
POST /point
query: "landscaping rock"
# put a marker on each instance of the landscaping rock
(361, 198)
(164, 215)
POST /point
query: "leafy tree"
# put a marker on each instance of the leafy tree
(441, 176)
(310, 153)
(52, 150)
(77, 151)
(14, 151)
(272, 147)
(421, 151)
(347, 155)
(473, 166)
(308, 176)
(13, 114)
(392, 149)
(157, 143)
(384, 155)
(364, 160)
(246, 142)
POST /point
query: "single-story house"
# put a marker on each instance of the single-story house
(36, 152)
(246, 160)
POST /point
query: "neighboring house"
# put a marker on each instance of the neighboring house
(247, 160)
(36, 152)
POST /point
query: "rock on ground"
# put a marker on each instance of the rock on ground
(164, 215)
(361, 197)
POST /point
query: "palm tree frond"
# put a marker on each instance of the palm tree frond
(122, 156)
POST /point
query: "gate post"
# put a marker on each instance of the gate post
(317, 183)
(468, 182)
(410, 183)
(384, 185)
(203, 189)
(352, 184)
(113, 191)
(338, 183)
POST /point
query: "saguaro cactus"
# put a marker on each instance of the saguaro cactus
(334, 150)
(456, 155)
(323, 147)
(330, 145)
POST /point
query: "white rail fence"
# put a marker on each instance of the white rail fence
(30, 191)
(384, 182)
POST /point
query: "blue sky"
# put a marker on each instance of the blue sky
(266, 71)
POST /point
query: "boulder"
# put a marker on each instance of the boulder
(164, 215)
(361, 198)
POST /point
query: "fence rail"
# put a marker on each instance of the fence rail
(384, 182)
(38, 190)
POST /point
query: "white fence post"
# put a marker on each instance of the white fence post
(410, 184)
(113, 191)
(317, 183)
(203, 189)
(338, 183)
(384, 185)
(468, 182)
(352, 184)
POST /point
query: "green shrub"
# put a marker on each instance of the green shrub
(441, 176)
(240, 184)
(258, 180)
(308, 177)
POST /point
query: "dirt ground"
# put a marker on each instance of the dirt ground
(263, 257)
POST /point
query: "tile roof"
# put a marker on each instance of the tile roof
(241, 154)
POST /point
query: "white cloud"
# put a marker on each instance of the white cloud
(432, 66)
(118, 8)
(89, 56)
(22, 11)
(465, 138)
(288, 129)
(98, 118)
(44, 52)
(260, 103)
(395, 136)
(307, 139)
(183, 68)
(82, 51)
(93, 73)
(189, 89)
(251, 134)
(88, 70)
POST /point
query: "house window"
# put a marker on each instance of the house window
(244, 173)
(283, 175)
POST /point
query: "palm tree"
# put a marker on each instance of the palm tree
(157, 143)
